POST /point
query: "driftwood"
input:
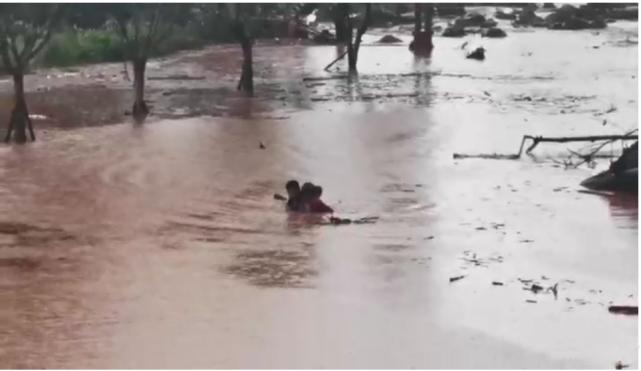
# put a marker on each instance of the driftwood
(335, 60)
(593, 138)
(125, 72)
(624, 309)
(539, 139)
(489, 156)
(338, 77)
(176, 77)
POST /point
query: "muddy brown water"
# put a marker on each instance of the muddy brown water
(160, 245)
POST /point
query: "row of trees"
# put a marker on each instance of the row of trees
(26, 28)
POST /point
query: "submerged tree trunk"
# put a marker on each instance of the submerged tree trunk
(341, 30)
(352, 56)
(340, 24)
(422, 43)
(19, 120)
(417, 18)
(140, 109)
(246, 82)
(429, 20)
(354, 45)
(352, 59)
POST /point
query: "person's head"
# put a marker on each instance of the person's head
(293, 188)
(307, 190)
(316, 192)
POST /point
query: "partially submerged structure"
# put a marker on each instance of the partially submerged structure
(623, 174)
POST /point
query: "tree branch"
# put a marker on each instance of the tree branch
(14, 51)
(38, 47)
(122, 28)
(363, 27)
(53, 19)
(150, 33)
(4, 51)
(29, 41)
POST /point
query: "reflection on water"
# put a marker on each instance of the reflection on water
(273, 268)
(141, 246)
(625, 209)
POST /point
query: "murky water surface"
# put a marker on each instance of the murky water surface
(161, 246)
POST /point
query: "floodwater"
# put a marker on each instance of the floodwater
(160, 245)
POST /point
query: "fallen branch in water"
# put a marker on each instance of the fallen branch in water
(589, 158)
(489, 156)
(624, 309)
(339, 77)
(539, 139)
(593, 138)
(335, 60)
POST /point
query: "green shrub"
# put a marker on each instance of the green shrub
(72, 47)
(80, 47)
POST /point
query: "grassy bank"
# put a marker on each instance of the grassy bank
(72, 47)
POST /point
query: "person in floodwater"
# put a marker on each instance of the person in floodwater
(294, 196)
(305, 196)
(315, 204)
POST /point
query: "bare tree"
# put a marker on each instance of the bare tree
(354, 43)
(422, 43)
(142, 27)
(25, 29)
(240, 14)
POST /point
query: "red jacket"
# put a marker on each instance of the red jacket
(318, 206)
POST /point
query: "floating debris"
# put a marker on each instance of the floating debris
(390, 39)
(624, 309)
(535, 288)
(620, 366)
(478, 54)
(554, 290)
(531, 301)
(454, 279)
(493, 156)
(338, 221)
(497, 283)
(581, 301)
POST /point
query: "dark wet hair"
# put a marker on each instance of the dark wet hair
(317, 191)
(307, 189)
(292, 184)
(307, 186)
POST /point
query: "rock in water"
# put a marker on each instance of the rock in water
(505, 16)
(528, 18)
(569, 17)
(453, 31)
(494, 32)
(489, 23)
(623, 174)
(390, 39)
(471, 20)
(478, 54)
